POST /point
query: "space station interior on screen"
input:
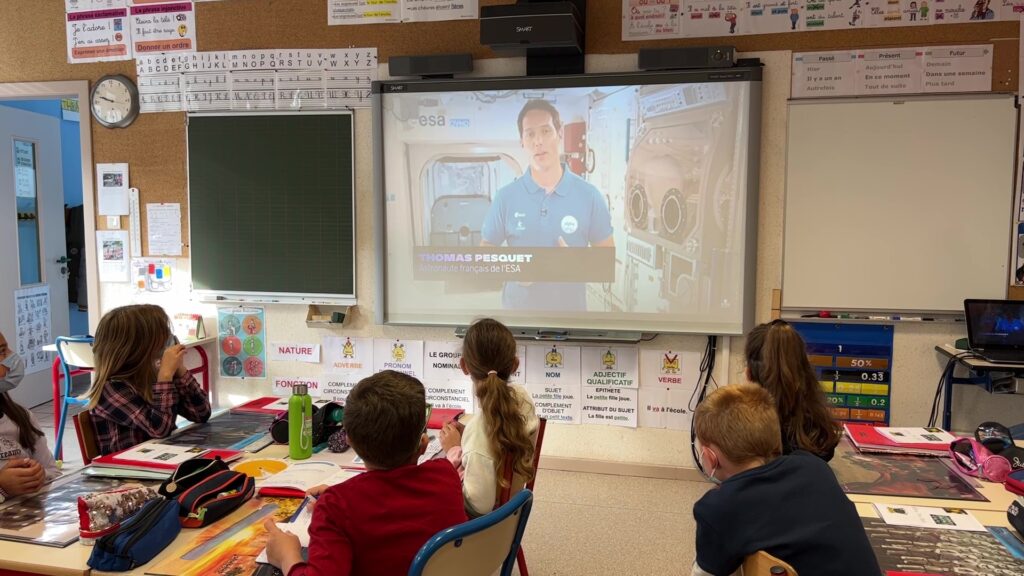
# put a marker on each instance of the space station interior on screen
(626, 201)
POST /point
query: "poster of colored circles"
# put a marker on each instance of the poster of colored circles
(241, 339)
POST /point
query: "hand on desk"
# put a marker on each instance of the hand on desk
(451, 435)
(283, 549)
(22, 476)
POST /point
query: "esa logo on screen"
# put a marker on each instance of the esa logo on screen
(426, 120)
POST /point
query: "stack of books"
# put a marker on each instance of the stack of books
(917, 441)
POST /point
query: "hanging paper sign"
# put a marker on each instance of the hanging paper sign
(309, 353)
(283, 386)
(404, 356)
(347, 354)
(553, 380)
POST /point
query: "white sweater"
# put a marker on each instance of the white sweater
(479, 462)
(10, 447)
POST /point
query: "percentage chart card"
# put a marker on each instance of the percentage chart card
(854, 366)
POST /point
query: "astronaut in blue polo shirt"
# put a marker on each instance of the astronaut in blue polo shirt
(548, 206)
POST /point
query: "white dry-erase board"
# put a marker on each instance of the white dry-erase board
(272, 206)
(898, 204)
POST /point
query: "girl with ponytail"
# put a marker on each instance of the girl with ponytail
(777, 360)
(505, 425)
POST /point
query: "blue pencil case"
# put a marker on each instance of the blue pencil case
(139, 539)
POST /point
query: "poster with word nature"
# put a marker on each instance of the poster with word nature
(553, 380)
(241, 342)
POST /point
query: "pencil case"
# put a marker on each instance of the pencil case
(101, 513)
(189, 473)
(138, 539)
(214, 497)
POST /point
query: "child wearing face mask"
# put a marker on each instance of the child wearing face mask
(140, 385)
(25, 461)
(789, 506)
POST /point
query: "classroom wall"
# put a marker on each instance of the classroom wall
(155, 149)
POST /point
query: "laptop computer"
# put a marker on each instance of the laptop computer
(995, 329)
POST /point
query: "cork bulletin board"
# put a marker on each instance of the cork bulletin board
(33, 49)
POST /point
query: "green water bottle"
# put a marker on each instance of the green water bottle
(300, 423)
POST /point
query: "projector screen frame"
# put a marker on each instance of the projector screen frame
(751, 74)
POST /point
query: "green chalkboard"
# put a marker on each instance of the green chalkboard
(271, 204)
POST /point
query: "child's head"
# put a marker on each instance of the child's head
(737, 427)
(489, 358)
(129, 341)
(777, 360)
(385, 418)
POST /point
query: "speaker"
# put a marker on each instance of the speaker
(686, 58)
(545, 24)
(430, 66)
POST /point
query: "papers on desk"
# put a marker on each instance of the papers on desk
(880, 439)
(155, 455)
(298, 525)
(299, 477)
(925, 517)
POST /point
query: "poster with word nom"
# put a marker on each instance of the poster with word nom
(241, 342)
(347, 355)
(853, 363)
(404, 356)
(553, 380)
(32, 327)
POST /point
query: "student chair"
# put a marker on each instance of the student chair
(761, 563)
(510, 481)
(74, 353)
(86, 433)
(479, 546)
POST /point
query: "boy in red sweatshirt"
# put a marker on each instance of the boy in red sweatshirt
(376, 522)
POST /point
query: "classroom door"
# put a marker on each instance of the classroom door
(32, 247)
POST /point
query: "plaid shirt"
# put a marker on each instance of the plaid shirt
(123, 418)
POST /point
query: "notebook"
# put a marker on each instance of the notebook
(995, 330)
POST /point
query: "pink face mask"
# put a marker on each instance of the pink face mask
(972, 458)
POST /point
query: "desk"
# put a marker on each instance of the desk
(980, 375)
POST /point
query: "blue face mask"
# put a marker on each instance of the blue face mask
(15, 372)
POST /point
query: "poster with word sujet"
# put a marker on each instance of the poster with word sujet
(283, 385)
(853, 363)
(337, 386)
(241, 339)
(447, 386)
(405, 356)
(281, 351)
(553, 380)
(347, 355)
(609, 406)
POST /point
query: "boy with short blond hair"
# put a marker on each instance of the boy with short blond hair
(789, 506)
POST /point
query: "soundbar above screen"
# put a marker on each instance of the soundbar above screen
(618, 202)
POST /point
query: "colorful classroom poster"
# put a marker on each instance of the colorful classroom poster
(553, 380)
(609, 405)
(434, 10)
(853, 363)
(889, 71)
(447, 386)
(32, 326)
(958, 68)
(114, 262)
(162, 28)
(152, 274)
(668, 368)
(954, 11)
(347, 355)
(404, 356)
(832, 14)
(241, 339)
(613, 366)
(98, 36)
(283, 385)
(288, 351)
(772, 16)
(714, 18)
(650, 19)
(823, 74)
(337, 386)
(348, 12)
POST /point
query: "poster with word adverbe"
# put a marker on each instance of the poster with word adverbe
(553, 380)
(283, 386)
(853, 363)
(32, 327)
(405, 356)
(348, 355)
(241, 342)
(447, 386)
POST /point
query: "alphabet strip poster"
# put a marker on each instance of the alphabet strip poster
(241, 340)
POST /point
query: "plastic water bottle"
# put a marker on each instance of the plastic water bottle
(300, 423)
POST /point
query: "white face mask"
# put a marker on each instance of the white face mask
(710, 476)
(15, 372)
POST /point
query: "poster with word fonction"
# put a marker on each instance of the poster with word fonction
(284, 351)
(32, 326)
(283, 385)
(347, 355)
(853, 363)
(98, 36)
(553, 380)
(241, 342)
(405, 356)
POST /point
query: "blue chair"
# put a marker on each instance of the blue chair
(75, 356)
(477, 547)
